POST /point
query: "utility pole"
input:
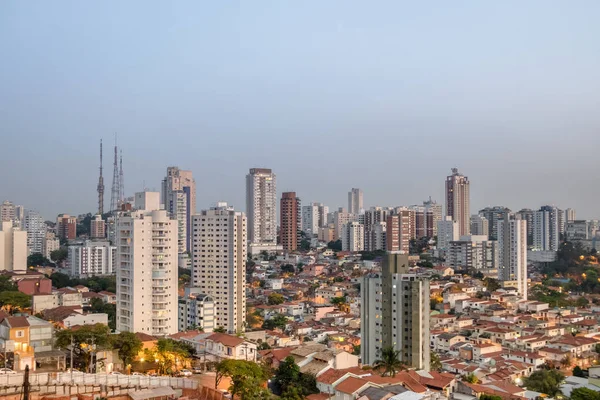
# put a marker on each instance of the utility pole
(72, 345)
(26, 384)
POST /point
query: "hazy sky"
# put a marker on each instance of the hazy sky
(384, 95)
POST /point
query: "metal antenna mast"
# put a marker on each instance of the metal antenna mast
(101, 186)
(121, 182)
(114, 193)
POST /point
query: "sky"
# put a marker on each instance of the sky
(387, 96)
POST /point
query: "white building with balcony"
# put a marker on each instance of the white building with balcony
(146, 241)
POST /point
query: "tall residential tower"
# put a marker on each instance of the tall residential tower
(261, 206)
(457, 201)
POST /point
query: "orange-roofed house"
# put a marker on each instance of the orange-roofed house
(221, 346)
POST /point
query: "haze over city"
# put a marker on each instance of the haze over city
(330, 95)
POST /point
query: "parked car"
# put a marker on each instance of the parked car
(226, 394)
(185, 372)
(6, 371)
(138, 374)
(116, 373)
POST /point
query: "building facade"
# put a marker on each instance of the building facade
(355, 201)
(36, 232)
(493, 215)
(448, 231)
(512, 247)
(91, 258)
(196, 310)
(290, 221)
(51, 243)
(547, 228)
(147, 276)
(261, 205)
(66, 226)
(399, 231)
(179, 199)
(219, 263)
(97, 227)
(353, 237)
(7, 211)
(376, 237)
(473, 253)
(479, 225)
(458, 201)
(395, 313)
(13, 247)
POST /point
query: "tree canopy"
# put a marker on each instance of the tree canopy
(37, 260)
(86, 340)
(291, 383)
(389, 362)
(14, 301)
(277, 321)
(127, 345)
(275, 299)
(584, 393)
(170, 355)
(545, 381)
(247, 379)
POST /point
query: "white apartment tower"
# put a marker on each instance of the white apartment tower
(458, 200)
(376, 237)
(179, 199)
(219, 263)
(395, 313)
(479, 225)
(353, 237)
(448, 231)
(51, 243)
(546, 228)
(474, 253)
(261, 206)
(13, 247)
(314, 216)
(512, 250)
(7, 212)
(147, 279)
(355, 201)
(91, 258)
(36, 231)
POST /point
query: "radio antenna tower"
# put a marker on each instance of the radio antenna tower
(114, 193)
(101, 186)
(121, 182)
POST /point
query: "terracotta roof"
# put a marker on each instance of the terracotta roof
(318, 396)
(17, 322)
(61, 312)
(144, 337)
(331, 375)
(184, 335)
(351, 385)
(225, 339)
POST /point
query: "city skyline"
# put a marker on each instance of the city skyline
(268, 80)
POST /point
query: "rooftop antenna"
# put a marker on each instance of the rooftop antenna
(100, 187)
(114, 193)
(121, 181)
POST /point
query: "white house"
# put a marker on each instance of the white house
(221, 346)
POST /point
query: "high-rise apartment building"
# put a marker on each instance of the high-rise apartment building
(458, 200)
(493, 215)
(395, 313)
(512, 250)
(569, 215)
(479, 225)
(13, 247)
(526, 214)
(36, 231)
(51, 243)
(179, 199)
(147, 280)
(219, 263)
(355, 201)
(314, 216)
(376, 237)
(340, 218)
(97, 227)
(7, 211)
(474, 253)
(261, 206)
(448, 231)
(399, 231)
(196, 310)
(433, 214)
(353, 237)
(91, 258)
(290, 221)
(546, 228)
(66, 227)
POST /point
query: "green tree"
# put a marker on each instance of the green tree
(389, 362)
(577, 371)
(14, 301)
(128, 346)
(288, 374)
(545, 381)
(292, 393)
(99, 306)
(37, 260)
(171, 355)
(275, 299)
(288, 268)
(485, 396)
(584, 393)
(87, 340)
(470, 378)
(247, 378)
(59, 255)
(491, 284)
(277, 321)
(60, 280)
(219, 329)
(434, 362)
(356, 349)
(336, 246)
(7, 285)
(305, 245)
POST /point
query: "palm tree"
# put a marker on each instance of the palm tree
(389, 362)
(566, 361)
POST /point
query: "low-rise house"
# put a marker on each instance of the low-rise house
(60, 297)
(445, 341)
(220, 346)
(29, 282)
(108, 297)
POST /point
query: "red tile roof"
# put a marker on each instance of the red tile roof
(225, 339)
(351, 384)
